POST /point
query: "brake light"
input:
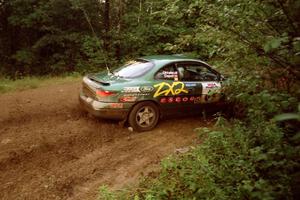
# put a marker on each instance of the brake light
(104, 93)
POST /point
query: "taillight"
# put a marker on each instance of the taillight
(104, 93)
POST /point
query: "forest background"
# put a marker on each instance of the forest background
(253, 154)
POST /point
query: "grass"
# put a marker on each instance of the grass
(8, 85)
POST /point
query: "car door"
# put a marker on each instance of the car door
(169, 91)
(202, 82)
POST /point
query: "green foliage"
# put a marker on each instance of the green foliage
(288, 116)
(94, 56)
(24, 57)
(46, 37)
(51, 37)
(105, 194)
(241, 161)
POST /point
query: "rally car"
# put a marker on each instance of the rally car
(145, 89)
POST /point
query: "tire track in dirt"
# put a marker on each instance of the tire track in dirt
(49, 149)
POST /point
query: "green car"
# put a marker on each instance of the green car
(148, 88)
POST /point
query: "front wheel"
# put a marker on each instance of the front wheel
(144, 116)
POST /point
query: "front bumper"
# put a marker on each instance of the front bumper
(117, 111)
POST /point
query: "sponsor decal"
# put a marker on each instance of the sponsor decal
(192, 99)
(209, 87)
(170, 100)
(135, 94)
(163, 100)
(142, 89)
(167, 74)
(146, 89)
(190, 84)
(164, 89)
(178, 99)
(189, 99)
(131, 89)
(128, 99)
(116, 105)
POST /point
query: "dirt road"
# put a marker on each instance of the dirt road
(49, 149)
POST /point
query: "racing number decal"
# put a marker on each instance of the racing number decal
(166, 89)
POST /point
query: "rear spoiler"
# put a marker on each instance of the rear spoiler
(91, 77)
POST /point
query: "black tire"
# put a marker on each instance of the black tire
(144, 116)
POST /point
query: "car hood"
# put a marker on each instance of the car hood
(106, 79)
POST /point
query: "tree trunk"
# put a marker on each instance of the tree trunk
(107, 25)
(119, 29)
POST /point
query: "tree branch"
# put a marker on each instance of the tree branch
(288, 16)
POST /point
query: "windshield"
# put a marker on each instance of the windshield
(134, 69)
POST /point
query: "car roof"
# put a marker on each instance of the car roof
(170, 58)
(167, 57)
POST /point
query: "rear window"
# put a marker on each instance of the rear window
(134, 69)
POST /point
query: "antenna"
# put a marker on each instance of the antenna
(95, 35)
(108, 70)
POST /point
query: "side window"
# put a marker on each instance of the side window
(196, 72)
(168, 72)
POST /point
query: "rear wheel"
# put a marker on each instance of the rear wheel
(144, 116)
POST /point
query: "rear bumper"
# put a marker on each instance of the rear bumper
(102, 109)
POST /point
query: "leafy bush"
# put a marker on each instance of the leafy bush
(234, 162)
